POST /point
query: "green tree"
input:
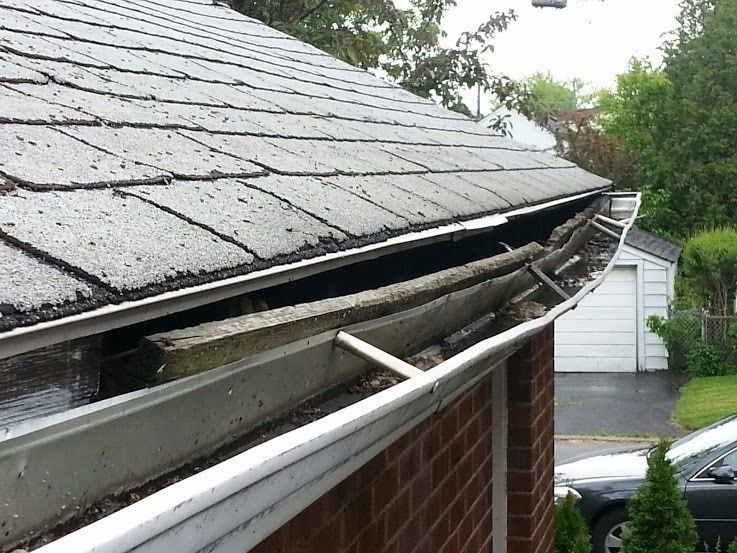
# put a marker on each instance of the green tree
(660, 519)
(547, 96)
(732, 547)
(680, 121)
(633, 114)
(403, 44)
(571, 532)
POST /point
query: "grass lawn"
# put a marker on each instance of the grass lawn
(706, 400)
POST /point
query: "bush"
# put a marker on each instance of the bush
(732, 547)
(702, 360)
(709, 263)
(571, 532)
(681, 334)
(660, 519)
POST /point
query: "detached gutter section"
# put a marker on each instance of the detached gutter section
(236, 504)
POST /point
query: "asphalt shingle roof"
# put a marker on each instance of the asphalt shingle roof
(654, 244)
(154, 144)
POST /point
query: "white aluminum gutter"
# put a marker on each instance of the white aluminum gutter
(236, 504)
(109, 317)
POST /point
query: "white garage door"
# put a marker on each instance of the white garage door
(601, 334)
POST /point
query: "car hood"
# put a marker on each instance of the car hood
(630, 463)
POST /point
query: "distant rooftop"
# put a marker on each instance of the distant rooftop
(522, 129)
(151, 145)
(654, 244)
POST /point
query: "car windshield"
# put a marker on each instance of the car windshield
(693, 449)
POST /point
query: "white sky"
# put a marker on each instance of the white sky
(590, 39)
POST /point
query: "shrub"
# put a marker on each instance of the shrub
(660, 519)
(702, 360)
(681, 334)
(571, 532)
(732, 547)
(710, 265)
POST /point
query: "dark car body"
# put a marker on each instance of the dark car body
(605, 482)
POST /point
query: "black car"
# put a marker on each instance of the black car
(705, 461)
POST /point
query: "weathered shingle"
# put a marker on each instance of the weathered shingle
(29, 284)
(120, 242)
(654, 244)
(154, 144)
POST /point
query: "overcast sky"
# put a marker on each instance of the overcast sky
(590, 39)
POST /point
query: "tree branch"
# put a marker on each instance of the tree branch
(309, 12)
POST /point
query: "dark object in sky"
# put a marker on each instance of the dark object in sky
(550, 3)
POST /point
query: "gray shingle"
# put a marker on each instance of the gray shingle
(44, 156)
(28, 284)
(111, 110)
(264, 224)
(18, 107)
(381, 190)
(122, 241)
(654, 244)
(350, 213)
(99, 93)
(166, 150)
(13, 72)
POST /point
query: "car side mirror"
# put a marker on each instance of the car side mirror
(722, 475)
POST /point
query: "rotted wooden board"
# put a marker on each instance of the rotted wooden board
(49, 380)
(171, 355)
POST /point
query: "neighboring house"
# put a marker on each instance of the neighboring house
(608, 332)
(224, 255)
(522, 129)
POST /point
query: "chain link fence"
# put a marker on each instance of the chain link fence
(689, 330)
(686, 328)
(715, 329)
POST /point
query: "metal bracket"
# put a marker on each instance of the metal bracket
(375, 356)
(614, 222)
(541, 277)
(604, 230)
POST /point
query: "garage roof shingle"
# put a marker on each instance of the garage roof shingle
(154, 144)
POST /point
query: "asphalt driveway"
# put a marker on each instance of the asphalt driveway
(569, 449)
(625, 404)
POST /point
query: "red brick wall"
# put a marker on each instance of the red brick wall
(530, 453)
(430, 492)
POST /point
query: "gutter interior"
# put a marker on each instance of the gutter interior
(593, 258)
(349, 279)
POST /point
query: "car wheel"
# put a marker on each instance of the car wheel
(606, 535)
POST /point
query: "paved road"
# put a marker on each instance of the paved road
(617, 404)
(566, 450)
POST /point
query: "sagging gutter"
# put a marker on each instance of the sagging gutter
(24, 339)
(236, 504)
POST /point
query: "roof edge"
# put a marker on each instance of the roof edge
(24, 339)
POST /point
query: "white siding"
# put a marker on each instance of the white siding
(656, 303)
(605, 333)
(600, 335)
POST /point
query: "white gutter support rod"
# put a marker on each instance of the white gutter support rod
(375, 356)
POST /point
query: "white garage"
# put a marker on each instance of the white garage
(608, 331)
